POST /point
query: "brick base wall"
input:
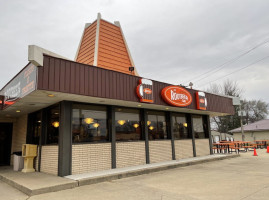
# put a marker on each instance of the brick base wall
(130, 154)
(91, 157)
(160, 151)
(202, 147)
(183, 149)
(49, 159)
(18, 135)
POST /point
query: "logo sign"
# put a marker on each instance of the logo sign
(23, 84)
(176, 96)
(145, 90)
(201, 101)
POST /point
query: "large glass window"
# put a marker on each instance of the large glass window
(53, 124)
(34, 128)
(89, 123)
(199, 126)
(156, 125)
(180, 126)
(127, 124)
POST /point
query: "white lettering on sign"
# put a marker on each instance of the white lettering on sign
(176, 96)
(13, 92)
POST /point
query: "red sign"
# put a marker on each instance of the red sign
(144, 90)
(201, 101)
(176, 96)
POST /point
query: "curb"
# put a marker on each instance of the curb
(120, 175)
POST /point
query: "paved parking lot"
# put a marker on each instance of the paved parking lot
(245, 177)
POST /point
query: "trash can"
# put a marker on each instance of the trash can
(18, 161)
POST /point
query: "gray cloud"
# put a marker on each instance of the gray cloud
(170, 41)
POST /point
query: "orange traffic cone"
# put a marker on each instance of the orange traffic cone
(267, 149)
(255, 153)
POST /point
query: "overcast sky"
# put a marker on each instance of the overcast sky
(170, 41)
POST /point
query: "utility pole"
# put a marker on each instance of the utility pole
(241, 122)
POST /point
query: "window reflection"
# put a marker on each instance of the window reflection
(89, 123)
(180, 126)
(156, 125)
(53, 124)
(127, 124)
(35, 127)
(198, 126)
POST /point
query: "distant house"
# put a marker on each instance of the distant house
(255, 131)
(217, 136)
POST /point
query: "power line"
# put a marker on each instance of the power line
(238, 70)
(219, 67)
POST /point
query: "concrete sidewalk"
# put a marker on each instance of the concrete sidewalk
(242, 178)
(36, 182)
(40, 183)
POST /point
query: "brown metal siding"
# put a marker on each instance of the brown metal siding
(70, 77)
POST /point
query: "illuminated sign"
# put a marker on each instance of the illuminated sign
(23, 84)
(201, 101)
(145, 90)
(176, 96)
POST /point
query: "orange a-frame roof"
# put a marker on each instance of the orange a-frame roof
(103, 45)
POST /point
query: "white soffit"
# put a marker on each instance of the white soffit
(39, 99)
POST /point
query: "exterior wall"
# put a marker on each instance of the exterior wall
(18, 135)
(91, 157)
(160, 151)
(130, 154)
(202, 147)
(49, 159)
(56, 75)
(183, 149)
(251, 136)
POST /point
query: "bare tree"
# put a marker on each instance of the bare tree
(226, 123)
(255, 109)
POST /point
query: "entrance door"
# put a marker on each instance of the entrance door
(5, 143)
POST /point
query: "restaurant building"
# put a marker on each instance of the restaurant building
(96, 113)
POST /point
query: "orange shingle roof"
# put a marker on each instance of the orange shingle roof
(103, 45)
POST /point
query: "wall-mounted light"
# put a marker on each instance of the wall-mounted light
(136, 125)
(96, 125)
(121, 122)
(185, 124)
(148, 123)
(18, 111)
(56, 124)
(151, 128)
(88, 120)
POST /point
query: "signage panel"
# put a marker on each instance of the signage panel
(201, 101)
(23, 84)
(176, 96)
(145, 90)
